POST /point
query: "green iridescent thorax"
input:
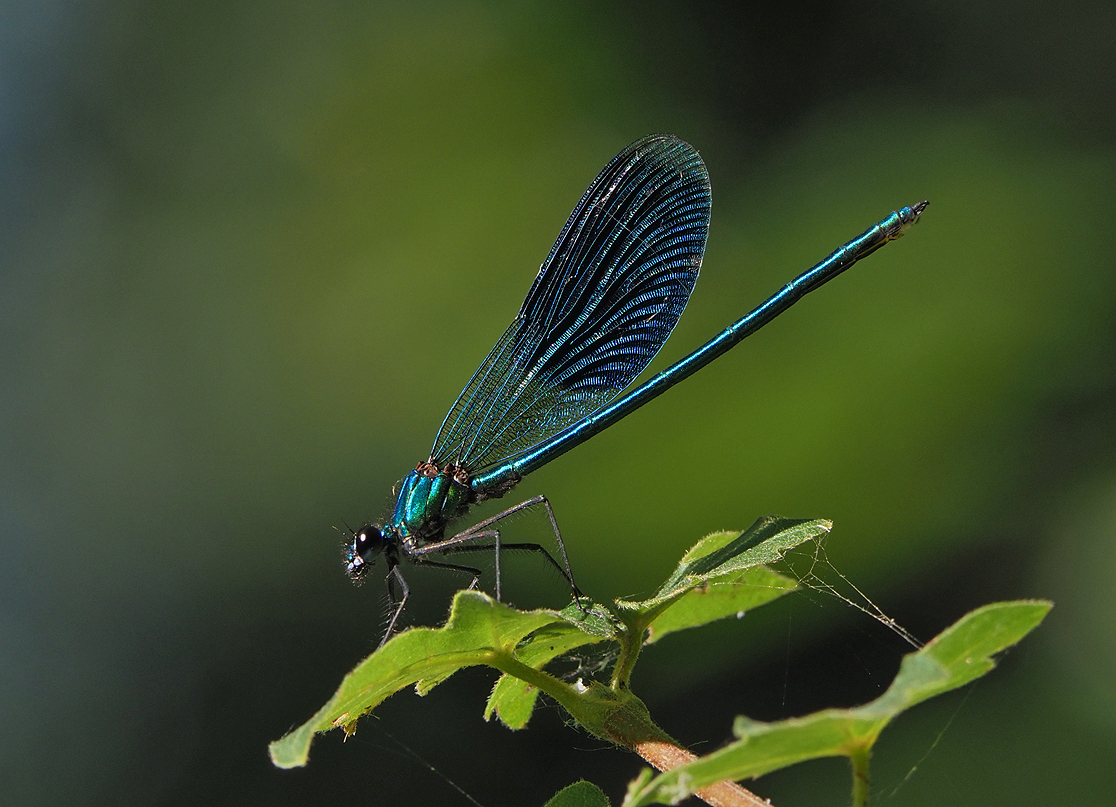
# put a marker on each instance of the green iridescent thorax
(428, 499)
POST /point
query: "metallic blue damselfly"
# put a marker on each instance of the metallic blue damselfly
(603, 303)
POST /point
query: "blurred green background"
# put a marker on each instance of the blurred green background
(250, 252)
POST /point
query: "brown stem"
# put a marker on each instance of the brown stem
(632, 728)
(667, 755)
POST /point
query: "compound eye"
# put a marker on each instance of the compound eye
(368, 542)
(360, 552)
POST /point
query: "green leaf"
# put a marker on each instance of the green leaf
(732, 595)
(513, 699)
(579, 794)
(721, 558)
(960, 654)
(479, 631)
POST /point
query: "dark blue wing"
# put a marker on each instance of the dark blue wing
(603, 303)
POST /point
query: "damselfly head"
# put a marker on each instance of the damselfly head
(361, 550)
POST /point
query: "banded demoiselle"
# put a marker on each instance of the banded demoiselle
(604, 301)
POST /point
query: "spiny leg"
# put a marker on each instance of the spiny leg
(479, 531)
(458, 544)
(567, 572)
(475, 573)
(394, 574)
(502, 547)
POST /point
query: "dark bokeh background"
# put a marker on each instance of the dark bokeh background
(251, 251)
